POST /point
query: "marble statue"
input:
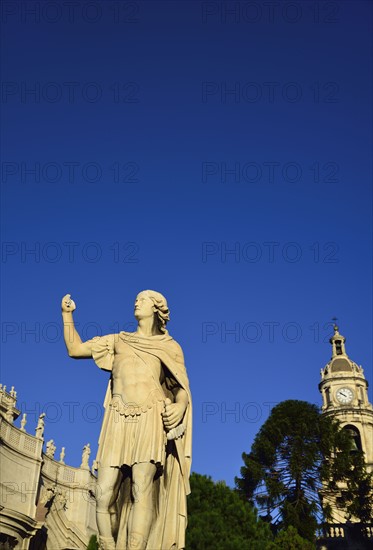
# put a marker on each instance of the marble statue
(85, 457)
(9, 414)
(50, 448)
(144, 454)
(39, 430)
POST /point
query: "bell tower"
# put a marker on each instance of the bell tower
(344, 392)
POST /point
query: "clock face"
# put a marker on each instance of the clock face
(344, 395)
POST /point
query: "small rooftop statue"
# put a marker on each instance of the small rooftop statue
(9, 414)
(85, 457)
(50, 448)
(39, 431)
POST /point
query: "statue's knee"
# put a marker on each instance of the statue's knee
(142, 478)
(142, 488)
(104, 499)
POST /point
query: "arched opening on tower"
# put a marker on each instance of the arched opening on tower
(354, 433)
(338, 347)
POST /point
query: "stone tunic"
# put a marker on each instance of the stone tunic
(134, 430)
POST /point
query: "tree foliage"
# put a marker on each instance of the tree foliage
(355, 496)
(92, 544)
(219, 519)
(297, 453)
(289, 539)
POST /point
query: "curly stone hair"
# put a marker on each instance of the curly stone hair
(162, 311)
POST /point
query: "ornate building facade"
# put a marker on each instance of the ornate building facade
(44, 503)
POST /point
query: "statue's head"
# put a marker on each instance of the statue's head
(151, 302)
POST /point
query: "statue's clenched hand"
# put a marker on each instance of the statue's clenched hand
(173, 414)
(67, 304)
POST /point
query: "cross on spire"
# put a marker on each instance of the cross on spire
(335, 326)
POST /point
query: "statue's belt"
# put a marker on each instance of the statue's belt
(132, 408)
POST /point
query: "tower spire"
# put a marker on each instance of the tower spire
(337, 341)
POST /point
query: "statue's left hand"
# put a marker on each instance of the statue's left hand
(173, 415)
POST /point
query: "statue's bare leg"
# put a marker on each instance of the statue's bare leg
(141, 516)
(108, 483)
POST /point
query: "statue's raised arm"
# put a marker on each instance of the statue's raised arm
(75, 347)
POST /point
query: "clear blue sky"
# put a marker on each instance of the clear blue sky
(223, 159)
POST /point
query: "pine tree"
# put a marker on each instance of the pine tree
(297, 454)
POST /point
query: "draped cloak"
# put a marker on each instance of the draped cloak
(170, 488)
